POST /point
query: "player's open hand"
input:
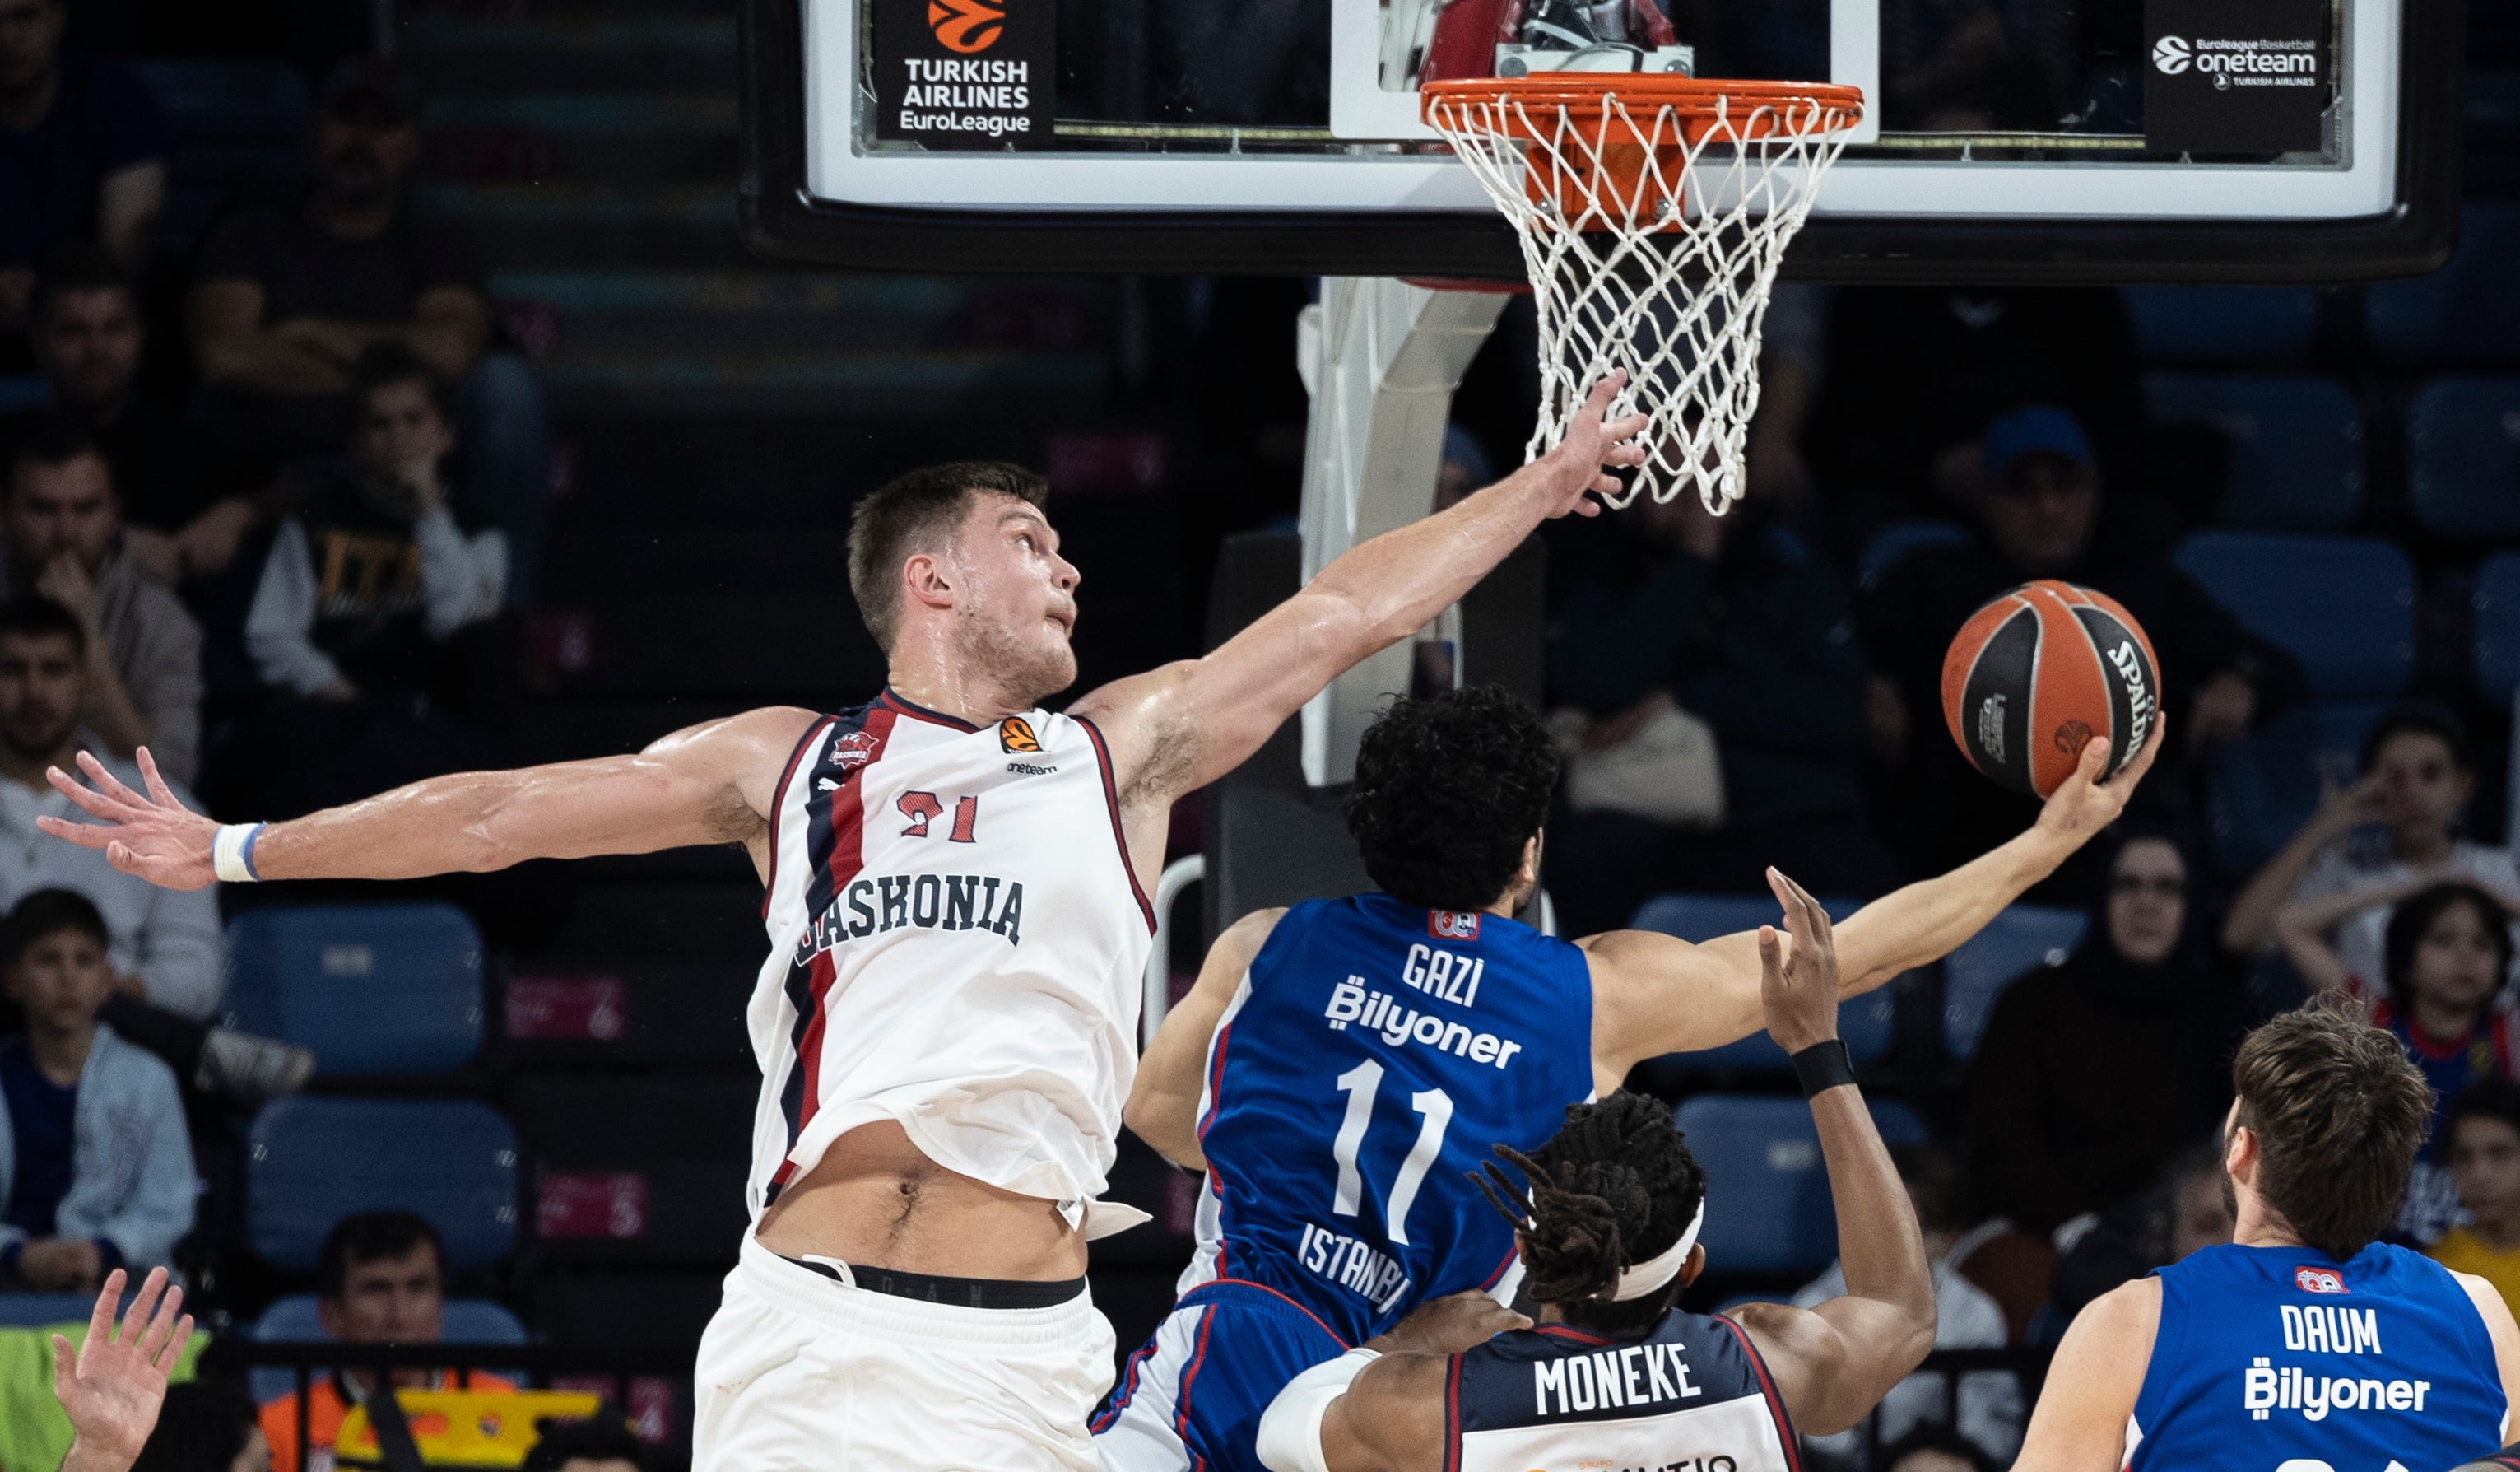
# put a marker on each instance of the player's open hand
(1799, 970)
(1448, 1325)
(1593, 444)
(153, 836)
(111, 1388)
(2084, 803)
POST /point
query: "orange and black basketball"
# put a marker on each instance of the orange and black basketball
(2037, 672)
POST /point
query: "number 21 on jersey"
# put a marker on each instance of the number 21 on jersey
(1435, 1107)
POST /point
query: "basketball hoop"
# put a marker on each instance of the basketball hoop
(1653, 212)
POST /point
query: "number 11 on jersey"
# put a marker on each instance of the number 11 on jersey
(1361, 1085)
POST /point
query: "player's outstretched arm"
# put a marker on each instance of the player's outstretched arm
(1183, 726)
(1654, 995)
(711, 783)
(2081, 1420)
(1833, 1362)
(1163, 1104)
(1380, 1408)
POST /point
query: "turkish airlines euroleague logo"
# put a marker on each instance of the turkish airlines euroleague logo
(965, 26)
(1015, 733)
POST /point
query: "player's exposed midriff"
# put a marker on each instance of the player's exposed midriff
(873, 1199)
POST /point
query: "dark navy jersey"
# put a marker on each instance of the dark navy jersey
(2282, 1356)
(1374, 1055)
(1691, 1396)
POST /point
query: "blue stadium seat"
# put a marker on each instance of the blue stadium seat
(2497, 602)
(2463, 456)
(2343, 606)
(22, 392)
(240, 130)
(38, 1310)
(2260, 791)
(1865, 1024)
(1767, 1204)
(2018, 941)
(310, 1162)
(2221, 323)
(372, 988)
(1896, 539)
(291, 1319)
(2296, 443)
(2466, 312)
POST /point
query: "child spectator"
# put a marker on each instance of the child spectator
(288, 297)
(185, 500)
(2418, 774)
(2093, 1074)
(96, 1171)
(380, 1279)
(2481, 1136)
(602, 1444)
(2181, 1212)
(63, 526)
(2447, 951)
(82, 153)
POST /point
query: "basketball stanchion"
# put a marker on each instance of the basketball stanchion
(1653, 212)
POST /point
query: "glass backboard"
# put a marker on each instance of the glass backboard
(2003, 139)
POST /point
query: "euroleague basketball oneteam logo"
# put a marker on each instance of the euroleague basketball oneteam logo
(2170, 54)
(1015, 733)
(967, 26)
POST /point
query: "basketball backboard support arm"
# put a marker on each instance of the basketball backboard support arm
(1381, 358)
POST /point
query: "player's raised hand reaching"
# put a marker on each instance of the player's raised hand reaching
(111, 1388)
(2084, 803)
(1799, 970)
(151, 835)
(1593, 444)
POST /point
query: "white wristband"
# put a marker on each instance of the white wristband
(1290, 1431)
(232, 853)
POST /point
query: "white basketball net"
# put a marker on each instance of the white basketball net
(1622, 280)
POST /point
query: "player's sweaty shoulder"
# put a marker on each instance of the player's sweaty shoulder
(744, 755)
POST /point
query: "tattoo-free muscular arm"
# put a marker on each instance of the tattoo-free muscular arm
(1163, 1103)
(2498, 1327)
(1186, 725)
(711, 783)
(2080, 1422)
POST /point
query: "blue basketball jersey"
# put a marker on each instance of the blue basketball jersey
(1374, 1055)
(1692, 1395)
(2274, 1356)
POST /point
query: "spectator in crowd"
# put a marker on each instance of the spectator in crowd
(603, 1444)
(205, 1426)
(2444, 956)
(186, 502)
(1934, 1448)
(2399, 822)
(1669, 623)
(82, 153)
(166, 954)
(95, 1167)
(376, 618)
(287, 298)
(2481, 1136)
(1965, 1318)
(63, 526)
(2187, 1210)
(112, 1387)
(380, 1279)
(2092, 1073)
(1918, 372)
(2043, 517)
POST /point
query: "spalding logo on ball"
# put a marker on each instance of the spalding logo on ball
(2032, 677)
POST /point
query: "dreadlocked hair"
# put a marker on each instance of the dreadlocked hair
(1615, 1187)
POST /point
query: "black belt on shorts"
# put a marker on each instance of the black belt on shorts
(961, 1293)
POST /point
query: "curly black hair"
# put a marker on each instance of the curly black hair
(1613, 1188)
(1448, 790)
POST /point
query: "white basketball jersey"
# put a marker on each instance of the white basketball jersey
(957, 943)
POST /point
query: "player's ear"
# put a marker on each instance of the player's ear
(927, 579)
(1695, 1263)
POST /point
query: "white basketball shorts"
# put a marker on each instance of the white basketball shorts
(798, 1370)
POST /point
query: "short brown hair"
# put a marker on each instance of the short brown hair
(2339, 1113)
(894, 519)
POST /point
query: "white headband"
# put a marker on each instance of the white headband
(1657, 1272)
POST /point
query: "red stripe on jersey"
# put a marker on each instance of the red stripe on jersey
(1283, 1298)
(779, 803)
(1181, 1399)
(1452, 1414)
(1119, 835)
(848, 856)
(900, 707)
(1215, 1102)
(1767, 1391)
